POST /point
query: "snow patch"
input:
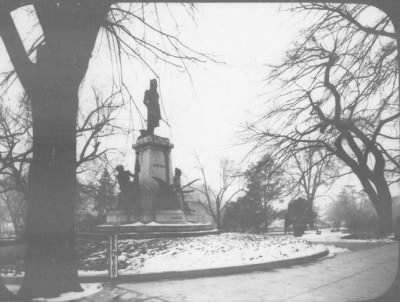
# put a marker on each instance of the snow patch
(134, 224)
(92, 273)
(334, 250)
(88, 289)
(153, 223)
(192, 253)
(171, 224)
(328, 236)
(325, 236)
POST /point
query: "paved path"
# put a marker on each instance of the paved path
(351, 276)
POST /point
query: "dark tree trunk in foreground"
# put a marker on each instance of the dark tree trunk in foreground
(371, 178)
(5, 294)
(50, 261)
(70, 30)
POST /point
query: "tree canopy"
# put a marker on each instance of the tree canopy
(339, 94)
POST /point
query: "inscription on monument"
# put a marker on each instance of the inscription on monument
(159, 160)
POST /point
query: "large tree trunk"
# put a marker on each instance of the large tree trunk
(70, 29)
(5, 294)
(381, 199)
(384, 208)
(385, 219)
(311, 213)
(50, 266)
(373, 180)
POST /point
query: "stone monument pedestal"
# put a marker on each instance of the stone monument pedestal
(121, 217)
(154, 158)
(170, 216)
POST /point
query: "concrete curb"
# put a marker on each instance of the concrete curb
(211, 272)
(220, 271)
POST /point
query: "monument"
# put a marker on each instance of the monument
(153, 200)
(159, 200)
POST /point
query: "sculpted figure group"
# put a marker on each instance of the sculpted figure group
(167, 197)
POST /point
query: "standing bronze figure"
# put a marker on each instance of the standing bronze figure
(125, 187)
(153, 107)
(177, 180)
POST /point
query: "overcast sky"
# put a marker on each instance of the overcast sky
(206, 110)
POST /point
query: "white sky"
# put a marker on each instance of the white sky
(206, 112)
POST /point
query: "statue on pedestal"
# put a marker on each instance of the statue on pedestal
(177, 180)
(126, 187)
(153, 107)
(181, 190)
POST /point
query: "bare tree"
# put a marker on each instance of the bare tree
(94, 126)
(339, 94)
(51, 72)
(311, 171)
(217, 197)
(15, 148)
(16, 210)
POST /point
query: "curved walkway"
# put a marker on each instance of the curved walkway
(351, 276)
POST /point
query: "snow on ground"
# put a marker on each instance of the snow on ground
(211, 251)
(88, 289)
(153, 223)
(328, 236)
(334, 250)
(325, 236)
(134, 224)
(92, 273)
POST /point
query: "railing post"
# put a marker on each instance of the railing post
(113, 255)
